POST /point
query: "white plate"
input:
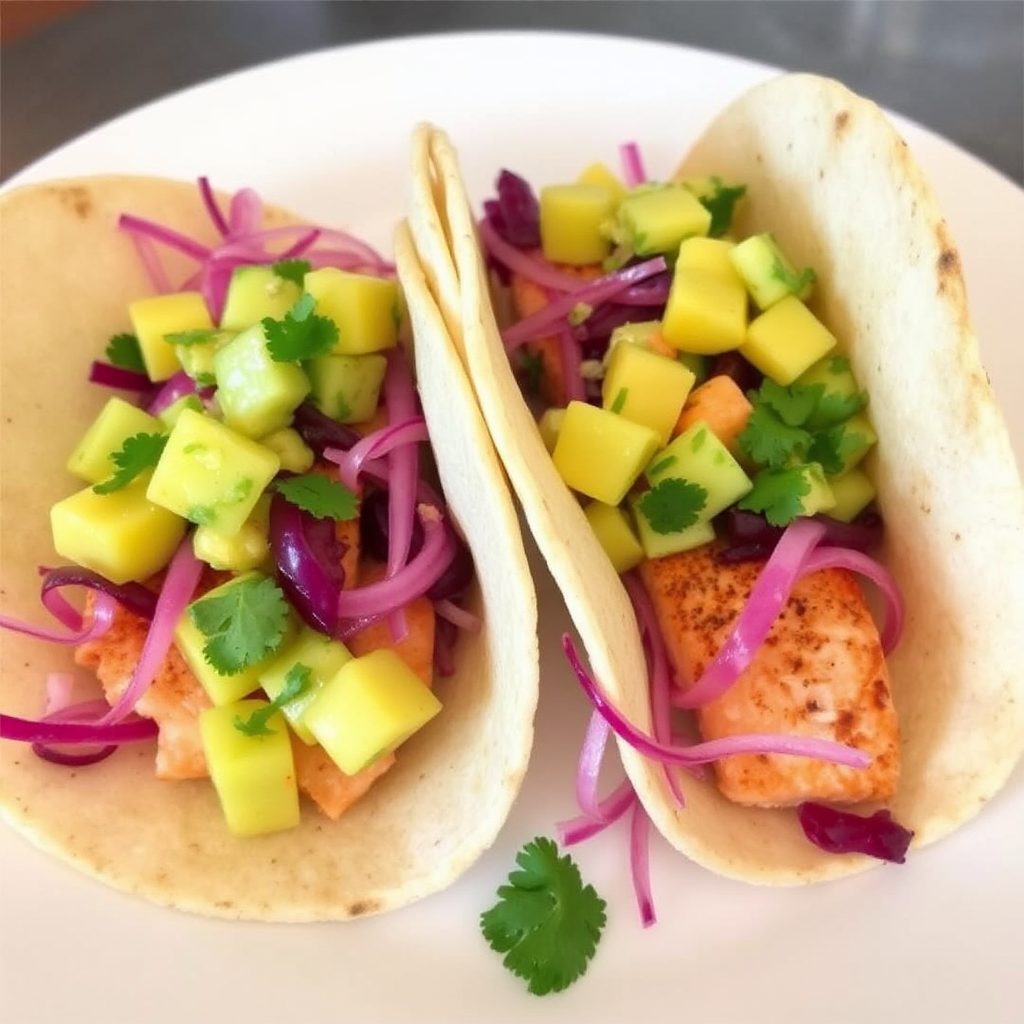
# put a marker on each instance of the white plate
(936, 940)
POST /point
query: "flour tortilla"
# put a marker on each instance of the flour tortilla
(66, 276)
(829, 175)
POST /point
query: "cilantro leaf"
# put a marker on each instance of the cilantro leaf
(546, 922)
(795, 281)
(320, 496)
(196, 337)
(770, 442)
(295, 683)
(673, 504)
(793, 405)
(831, 447)
(135, 456)
(292, 270)
(835, 407)
(776, 493)
(243, 624)
(123, 350)
(721, 204)
(300, 334)
(620, 400)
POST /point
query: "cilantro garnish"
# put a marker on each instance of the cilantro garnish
(300, 334)
(546, 922)
(795, 281)
(320, 496)
(196, 337)
(123, 350)
(721, 204)
(776, 493)
(292, 270)
(620, 400)
(769, 441)
(832, 447)
(793, 405)
(834, 407)
(243, 624)
(295, 684)
(135, 456)
(673, 504)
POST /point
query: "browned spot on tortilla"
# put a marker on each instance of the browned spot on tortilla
(841, 123)
(362, 907)
(75, 198)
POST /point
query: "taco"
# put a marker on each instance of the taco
(831, 186)
(67, 276)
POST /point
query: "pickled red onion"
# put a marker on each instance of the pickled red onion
(632, 164)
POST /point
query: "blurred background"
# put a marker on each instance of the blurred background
(956, 66)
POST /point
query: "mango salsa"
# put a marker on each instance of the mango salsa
(366, 309)
(785, 340)
(706, 313)
(159, 315)
(118, 420)
(613, 530)
(571, 220)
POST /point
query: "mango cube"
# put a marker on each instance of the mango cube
(718, 196)
(852, 492)
(155, 317)
(296, 456)
(211, 475)
(708, 254)
(549, 425)
(600, 453)
(767, 273)
(599, 174)
(613, 530)
(785, 340)
(706, 313)
(372, 705)
(366, 309)
(653, 220)
(254, 775)
(571, 220)
(243, 551)
(118, 420)
(169, 416)
(256, 292)
(120, 535)
(657, 545)
(347, 388)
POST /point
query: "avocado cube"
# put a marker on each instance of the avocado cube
(366, 309)
(120, 535)
(197, 358)
(118, 420)
(705, 314)
(719, 198)
(243, 551)
(322, 656)
(571, 221)
(599, 174)
(209, 474)
(155, 317)
(257, 394)
(599, 453)
(656, 220)
(254, 776)
(256, 292)
(699, 366)
(296, 456)
(785, 340)
(549, 425)
(840, 398)
(169, 416)
(646, 387)
(657, 545)
(820, 497)
(699, 457)
(710, 255)
(853, 492)
(371, 705)
(347, 388)
(614, 532)
(768, 273)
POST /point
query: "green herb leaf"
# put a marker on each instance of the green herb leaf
(123, 350)
(620, 400)
(721, 204)
(196, 337)
(777, 494)
(834, 407)
(296, 681)
(292, 270)
(135, 456)
(795, 281)
(832, 446)
(546, 922)
(770, 442)
(300, 334)
(673, 504)
(794, 404)
(243, 624)
(320, 496)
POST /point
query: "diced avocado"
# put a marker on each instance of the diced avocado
(255, 293)
(853, 492)
(767, 273)
(841, 397)
(118, 420)
(658, 545)
(699, 457)
(708, 254)
(719, 198)
(705, 314)
(571, 219)
(699, 366)
(372, 705)
(211, 475)
(242, 551)
(169, 416)
(549, 425)
(322, 656)
(613, 530)
(819, 498)
(599, 174)
(656, 220)
(120, 535)
(367, 310)
(646, 388)
(347, 388)
(256, 393)
(850, 441)
(296, 456)
(159, 315)
(197, 358)
(599, 453)
(785, 340)
(254, 775)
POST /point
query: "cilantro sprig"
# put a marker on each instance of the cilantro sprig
(195, 337)
(673, 504)
(123, 350)
(300, 333)
(721, 204)
(135, 456)
(777, 494)
(292, 270)
(296, 682)
(320, 496)
(546, 921)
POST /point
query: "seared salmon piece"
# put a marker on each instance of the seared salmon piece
(324, 782)
(821, 672)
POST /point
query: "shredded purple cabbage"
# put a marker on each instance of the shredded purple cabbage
(515, 214)
(837, 831)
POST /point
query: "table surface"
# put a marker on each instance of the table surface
(956, 67)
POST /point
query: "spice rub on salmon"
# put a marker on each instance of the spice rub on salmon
(820, 673)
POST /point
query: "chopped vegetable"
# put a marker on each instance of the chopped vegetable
(769, 441)
(136, 455)
(778, 493)
(300, 334)
(296, 682)
(836, 831)
(673, 504)
(320, 496)
(123, 351)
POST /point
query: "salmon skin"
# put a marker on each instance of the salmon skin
(820, 673)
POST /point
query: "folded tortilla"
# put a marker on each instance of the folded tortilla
(66, 277)
(829, 175)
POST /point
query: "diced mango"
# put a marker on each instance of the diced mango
(118, 420)
(120, 535)
(721, 404)
(853, 492)
(708, 254)
(197, 359)
(241, 552)
(719, 197)
(599, 453)
(155, 317)
(549, 425)
(599, 174)
(169, 416)
(705, 314)
(347, 388)
(613, 530)
(366, 309)
(656, 220)
(571, 220)
(254, 775)
(657, 545)
(372, 705)
(256, 292)
(646, 333)
(296, 456)
(768, 275)
(785, 340)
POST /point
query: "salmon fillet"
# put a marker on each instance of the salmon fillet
(821, 672)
